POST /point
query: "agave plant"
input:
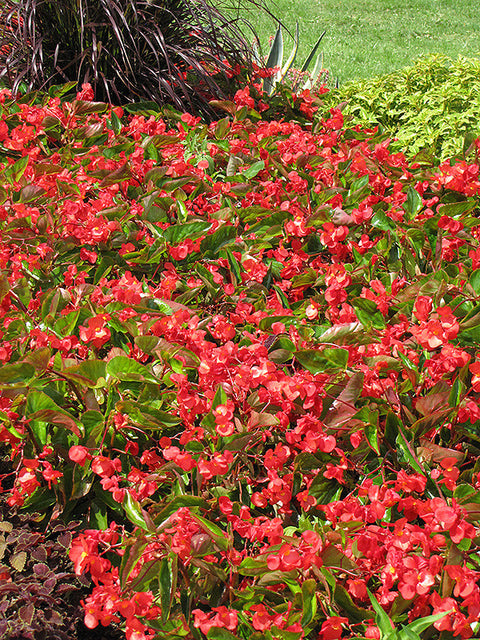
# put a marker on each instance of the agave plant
(180, 52)
(303, 78)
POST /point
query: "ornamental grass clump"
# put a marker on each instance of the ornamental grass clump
(181, 52)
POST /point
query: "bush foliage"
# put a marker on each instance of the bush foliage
(431, 105)
(244, 357)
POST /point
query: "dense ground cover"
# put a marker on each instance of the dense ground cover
(243, 357)
(367, 38)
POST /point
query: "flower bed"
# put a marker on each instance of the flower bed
(243, 357)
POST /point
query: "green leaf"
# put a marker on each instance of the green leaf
(456, 209)
(147, 344)
(252, 567)
(145, 416)
(469, 337)
(381, 221)
(309, 599)
(333, 557)
(172, 352)
(324, 489)
(283, 634)
(104, 267)
(343, 599)
(220, 633)
(18, 373)
(404, 446)
(235, 267)
(94, 426)
(457, 392)
(284, 343)
(91, 373)
(368, 314)
(391, 428)
(133, 553)
(39, 401)
(81, 483)
(220, 397)
(253, 170)
(417, 626)
(351, 333)
(221, 128)
(98, 515)
(18, 169)
(222, 237)
(165, 581)
(85, 107)
(178, 232)
(40, 501)
(371, 434)
(327, 359)
(266, 323)
(219, 536)
(168, 307)
(120, 174)
(468, 141)
(59, 90)
(127, 369)
(253, 213)
(308, 461)
(281, 297)
(9, 427)
(357, 189)
(270, 225)
(116, 123)
(383, 621)
(148, 573)
(465, 492)
(136, 514)
(176, 504)
(413, 203)
(41, 410)
(316, 71)
(474, 281)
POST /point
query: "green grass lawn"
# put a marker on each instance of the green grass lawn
(366, 38)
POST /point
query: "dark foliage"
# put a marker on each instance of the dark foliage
(179, 52)
(39, 593)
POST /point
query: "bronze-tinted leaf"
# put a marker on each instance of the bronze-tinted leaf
(84, 107)
(119, 175)
(57, 417)
(26, 612)
(41, 569)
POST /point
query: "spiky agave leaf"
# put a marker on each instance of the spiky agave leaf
(179, 52)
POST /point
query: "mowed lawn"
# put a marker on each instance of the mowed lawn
(366, 38)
